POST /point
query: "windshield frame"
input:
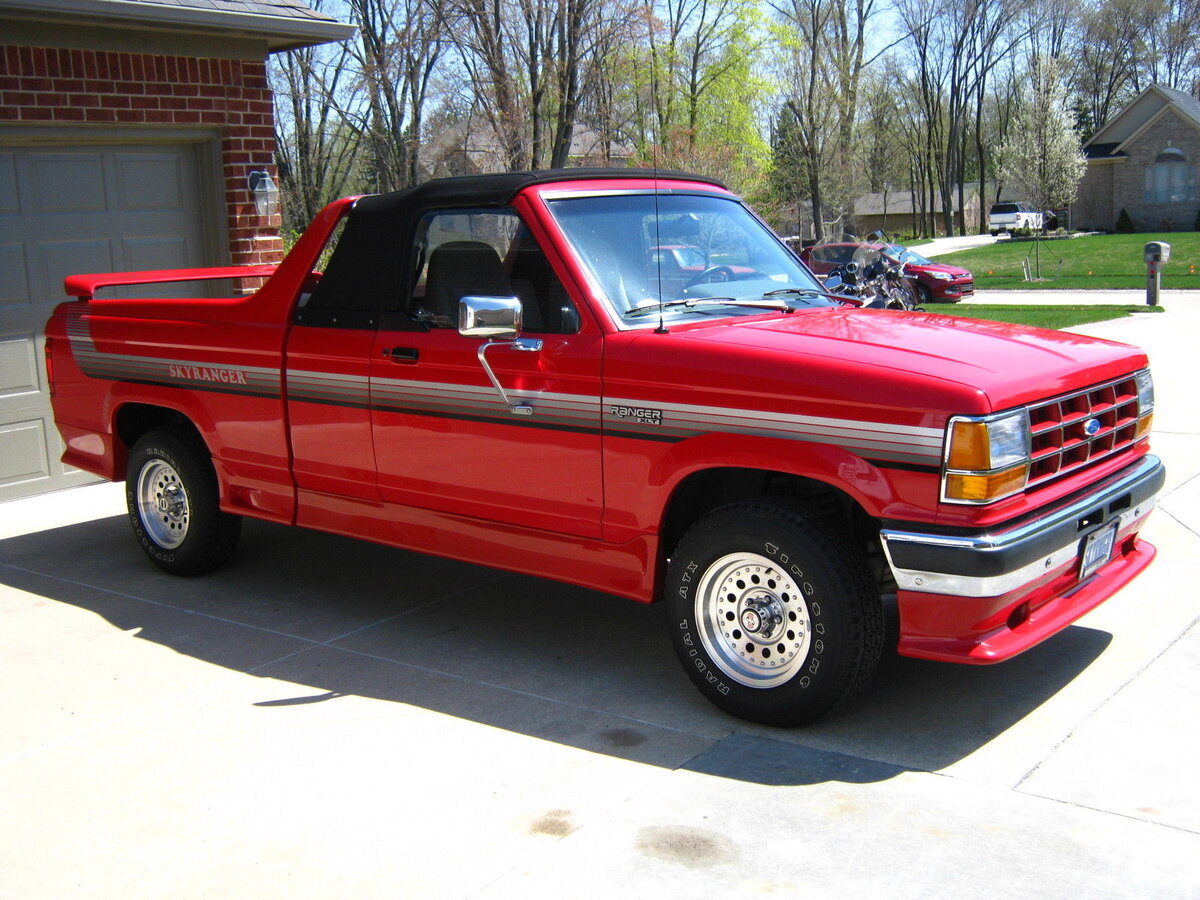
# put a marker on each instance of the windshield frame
(675, 315)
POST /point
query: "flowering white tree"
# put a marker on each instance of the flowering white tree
(1040, 157)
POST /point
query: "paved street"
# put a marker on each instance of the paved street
(328, 718)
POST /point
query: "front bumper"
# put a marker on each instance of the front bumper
(987, 596)
(953, 290)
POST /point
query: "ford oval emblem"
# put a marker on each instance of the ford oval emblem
(1091, 427)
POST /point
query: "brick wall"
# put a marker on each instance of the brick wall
(40, 85)
(1093, 206)
(1129, 187)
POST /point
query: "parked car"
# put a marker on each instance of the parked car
(931, 282)
(1011, 216)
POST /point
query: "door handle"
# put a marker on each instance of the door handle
(402, 354)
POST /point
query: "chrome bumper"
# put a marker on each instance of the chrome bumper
(992, 563)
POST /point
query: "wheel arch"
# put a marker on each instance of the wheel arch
(132, 420)
(705, 490)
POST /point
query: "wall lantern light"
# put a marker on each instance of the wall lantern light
(262, 186)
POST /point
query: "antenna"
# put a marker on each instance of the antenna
(662, 328)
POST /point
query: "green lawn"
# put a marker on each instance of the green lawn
(1102, 261)
(1042, 316)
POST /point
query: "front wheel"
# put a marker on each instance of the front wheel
(174, 505)
(774, 617)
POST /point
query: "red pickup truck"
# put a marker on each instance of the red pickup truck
(495, 369)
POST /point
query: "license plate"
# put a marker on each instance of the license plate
(1097, 549)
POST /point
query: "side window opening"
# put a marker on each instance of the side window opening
(322, 263)
(488, 253)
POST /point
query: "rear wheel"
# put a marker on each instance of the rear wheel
(773, 615)
(174, 505)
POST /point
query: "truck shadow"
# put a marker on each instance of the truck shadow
(325, 617)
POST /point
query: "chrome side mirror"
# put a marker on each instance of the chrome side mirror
(489, 317)
(499, 320)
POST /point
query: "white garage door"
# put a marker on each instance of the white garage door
(66, 210)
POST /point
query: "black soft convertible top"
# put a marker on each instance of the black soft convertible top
(499, 190)
(367, 267)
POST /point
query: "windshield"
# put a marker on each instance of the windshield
(684, 255)
(908, 256)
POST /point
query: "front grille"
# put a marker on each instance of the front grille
(967, 287)
(1061, 443)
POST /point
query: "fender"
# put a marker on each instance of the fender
(256, 482)
(881, 490)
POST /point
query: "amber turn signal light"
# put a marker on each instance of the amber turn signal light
(980, 488)
(970, 446)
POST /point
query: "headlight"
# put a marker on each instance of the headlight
(1145, 391)
(987, 457)
(941, 276)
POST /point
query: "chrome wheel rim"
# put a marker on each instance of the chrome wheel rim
(163, 504)
(754, 620)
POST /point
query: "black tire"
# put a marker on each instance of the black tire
(923, 294)
(174, 504)
(774, 615)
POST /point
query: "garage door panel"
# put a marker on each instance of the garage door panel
(19, 369)
(70, 209)
(14, 276)
(150, 182)
(67, 182)
(23, 455)
(10, 201)
(140, 254)
(62, 258)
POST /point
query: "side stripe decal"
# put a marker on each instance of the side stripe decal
(895, 446)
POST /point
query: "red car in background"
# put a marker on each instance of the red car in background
(931, 282)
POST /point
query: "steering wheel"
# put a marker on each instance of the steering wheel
(712, 274)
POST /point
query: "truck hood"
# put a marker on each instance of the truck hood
(1004, 365)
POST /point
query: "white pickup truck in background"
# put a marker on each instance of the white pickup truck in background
(1011, 216)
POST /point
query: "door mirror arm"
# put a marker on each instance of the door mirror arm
(499, 320)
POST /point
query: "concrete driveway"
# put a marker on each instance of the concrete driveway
(327, 718)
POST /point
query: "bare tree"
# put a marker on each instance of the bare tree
(958, 46)
(399, 45)
(612, 96)
(825, 41)
(1106, 56)
(317, 148)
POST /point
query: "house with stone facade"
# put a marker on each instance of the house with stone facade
(1143, 160)
(132, 134)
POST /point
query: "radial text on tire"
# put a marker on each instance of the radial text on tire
(773, 614)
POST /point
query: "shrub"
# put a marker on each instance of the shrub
(1124, 223)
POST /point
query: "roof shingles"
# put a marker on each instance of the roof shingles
(288, 9)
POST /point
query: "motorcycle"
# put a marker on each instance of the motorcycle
(861, 273)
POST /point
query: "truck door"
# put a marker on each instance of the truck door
(327, 372)
(444, 437)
